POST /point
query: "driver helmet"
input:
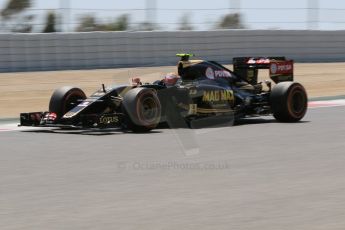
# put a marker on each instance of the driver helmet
(171, 79)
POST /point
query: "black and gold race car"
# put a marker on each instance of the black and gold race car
(206, 93)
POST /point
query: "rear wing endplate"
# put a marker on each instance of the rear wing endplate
(280, 68)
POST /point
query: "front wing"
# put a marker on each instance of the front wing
(46, 119)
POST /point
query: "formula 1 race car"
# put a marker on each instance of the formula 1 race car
(206, 93)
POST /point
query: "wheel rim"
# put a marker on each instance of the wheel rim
(148, 111)
(297, 102)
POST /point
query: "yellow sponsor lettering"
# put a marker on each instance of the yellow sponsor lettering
(224, 95)
(108, 120)
(193, 109)
(206, 96)
(218, 95)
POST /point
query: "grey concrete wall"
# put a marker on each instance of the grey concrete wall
(29, 52)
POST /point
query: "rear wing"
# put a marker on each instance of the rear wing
(280, 68)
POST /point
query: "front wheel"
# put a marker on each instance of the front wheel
(142, 108)
(64, 99)
(289, 101)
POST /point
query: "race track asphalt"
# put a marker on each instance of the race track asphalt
(257, 175)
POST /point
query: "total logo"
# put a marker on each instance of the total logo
(222, 73)
(274, 68)
(281, 68)
(212, 74)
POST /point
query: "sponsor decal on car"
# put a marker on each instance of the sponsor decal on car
(193, 109)
(69, 115)
(285, 67)
(259, 61)
(210, 73)
(50, 117)
(109, 119)
(193, 91)
(218, 96)
(222, 73)
(98, 94)
(84, 104)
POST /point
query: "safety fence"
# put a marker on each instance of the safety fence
(62, 51)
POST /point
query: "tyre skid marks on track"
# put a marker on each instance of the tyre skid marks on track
(311, 105)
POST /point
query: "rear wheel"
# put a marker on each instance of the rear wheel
(64, 99)
(142, 108)
(289, 101)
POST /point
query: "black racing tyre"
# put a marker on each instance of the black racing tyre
(289, 101)
(142, 108)
(64, 99)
